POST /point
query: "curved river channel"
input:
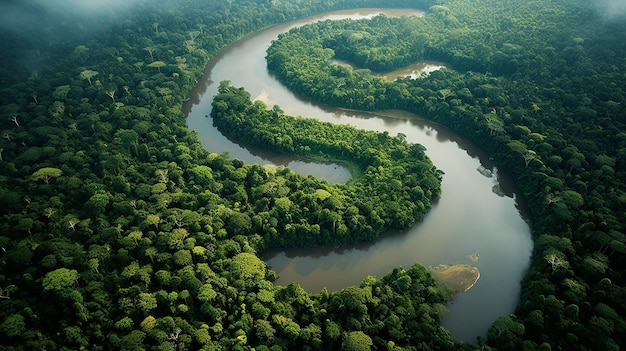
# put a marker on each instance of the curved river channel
(477, 216)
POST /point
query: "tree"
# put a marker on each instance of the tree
(157, 65)
(111, 94)
(356, 341)
(98, 202)
(46, 173)
(94, 263)
(151, 252)
(153, 219)
(88, 74)
(146, 302)
(556, 259)
(177, 238)
(288, 326)
(150, 50)
(59, 279)
(57, 110)
(14, 120)
(264, 330)
(133, 341)
(248, 267)
(14, 325)
(60, 93)
(202, 335)
(352, 298)
(183, 257)
(572, 199)
(135, 236)
(239, 223)
(506, 333)
(5, 293)
(80, 52)
(148, 324)
(126, 323)
(206, 293)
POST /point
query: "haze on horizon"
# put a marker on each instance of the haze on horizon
(613, 8)
(20, 15)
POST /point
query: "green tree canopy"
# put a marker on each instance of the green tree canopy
(60, 279)
(356, 341)
(46, 173)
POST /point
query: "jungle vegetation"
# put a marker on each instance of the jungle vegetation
(540, 110)
(393, 189)
(119, 231)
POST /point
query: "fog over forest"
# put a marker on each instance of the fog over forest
(16, 16)
(31, 27)
(613, 8)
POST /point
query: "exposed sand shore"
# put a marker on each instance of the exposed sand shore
(458, 277)
(264, 97)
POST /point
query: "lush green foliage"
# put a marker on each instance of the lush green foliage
(547, 103)
(118, 231)
(396, 184)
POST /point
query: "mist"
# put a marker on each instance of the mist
(87, 7)
(37, 30)
(32, 15)
(612, 9)
(18, 15)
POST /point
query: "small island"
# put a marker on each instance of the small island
(458, 278)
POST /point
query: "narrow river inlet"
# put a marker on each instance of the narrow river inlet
(477, 221)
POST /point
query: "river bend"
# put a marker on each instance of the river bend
(478, 214)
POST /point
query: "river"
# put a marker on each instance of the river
(479, 211)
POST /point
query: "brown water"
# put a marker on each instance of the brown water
(478, 212)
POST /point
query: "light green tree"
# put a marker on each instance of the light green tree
(248, 266)
(206, 293)
(157, 65)
(88, 74)
(556, 259)
(356, 341)
(146, 301)
(153, 219)
(148, 323)
(60, 279)
(46, 173)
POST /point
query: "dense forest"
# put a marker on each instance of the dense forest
(119, 231)
(547, 106)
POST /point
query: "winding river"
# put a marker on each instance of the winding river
(478, 216)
